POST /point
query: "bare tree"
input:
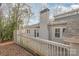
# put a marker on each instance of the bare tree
(15, 16)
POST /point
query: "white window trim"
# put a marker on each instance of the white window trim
(61, 35)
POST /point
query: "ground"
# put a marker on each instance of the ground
(12, 49)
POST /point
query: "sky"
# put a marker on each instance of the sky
(54, 7)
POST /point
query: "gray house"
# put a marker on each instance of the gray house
(58, 37)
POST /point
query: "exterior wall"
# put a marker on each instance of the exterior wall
(50, 33)
(74, 51)
(68, 19)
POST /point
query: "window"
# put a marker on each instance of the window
(28, 31)
(37, 34)
(64, 30)
(34, 33)
(57, 32)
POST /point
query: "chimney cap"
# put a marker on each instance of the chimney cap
(46, 9)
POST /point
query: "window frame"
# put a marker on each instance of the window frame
(36, 33)
(63, 30)
(57, 33)
(28, 31)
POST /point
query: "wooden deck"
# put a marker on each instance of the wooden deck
(12, 49)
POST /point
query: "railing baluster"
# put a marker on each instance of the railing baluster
(68, 54)
(57, 51)
(60, 51)
(51, 50)
(54, 50)
(64, 52)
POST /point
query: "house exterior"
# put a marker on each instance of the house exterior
(49, 30)
(63, 30)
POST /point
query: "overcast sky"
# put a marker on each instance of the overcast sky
(54, 7)
(36, 7)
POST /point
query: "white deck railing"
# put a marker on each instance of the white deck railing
(43, 47)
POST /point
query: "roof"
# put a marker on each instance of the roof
(57, 23)
(33, 26)
(71, 12)
(49, 24)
